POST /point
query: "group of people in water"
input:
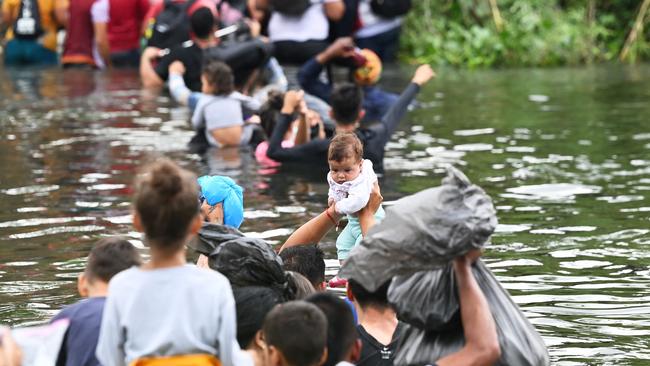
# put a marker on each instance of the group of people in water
(222, 59)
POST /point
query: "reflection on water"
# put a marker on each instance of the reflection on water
(564, 154)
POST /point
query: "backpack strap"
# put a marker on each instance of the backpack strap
(188, 4)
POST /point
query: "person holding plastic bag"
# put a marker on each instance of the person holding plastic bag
(424, 235)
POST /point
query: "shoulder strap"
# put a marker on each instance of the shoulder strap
(188, 4)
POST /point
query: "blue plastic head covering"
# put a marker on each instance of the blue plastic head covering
(217, 189)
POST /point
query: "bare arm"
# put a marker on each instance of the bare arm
(61, 13)
(8, 16)
(314, 230)
(481, 340)
(367, 214)
(335, 10)
(101, 39)
(150, 78)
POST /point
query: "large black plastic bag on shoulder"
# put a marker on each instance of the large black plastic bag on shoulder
(244, 261)
(424, 231)
(414, 246)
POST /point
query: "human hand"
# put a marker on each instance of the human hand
(374, 202)
(177, 67)
(254, 26)
(468, 259)
(292, 100)
(330, 202)
(203, 261)
(151, 53)
(423, 75)
(342, 47)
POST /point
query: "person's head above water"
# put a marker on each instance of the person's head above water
(202, 23)
(345, 157)
(296, 335)
(217, 78)
(252, 304)
(346, 102)
(308, 260)
(342, 336)
(222, 200)
(166, 206)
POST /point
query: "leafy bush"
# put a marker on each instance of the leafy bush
(534, 33)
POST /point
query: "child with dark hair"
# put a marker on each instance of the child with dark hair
(343, 345)
(166, 307)
(219, 110)
(296, 335)
(107, 258)
(351, 179)
(308, 260)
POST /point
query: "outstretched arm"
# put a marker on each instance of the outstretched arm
(309, 74)
(315, 229)
(423, 75)
(481, 340)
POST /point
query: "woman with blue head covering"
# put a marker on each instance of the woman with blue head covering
(222, 200)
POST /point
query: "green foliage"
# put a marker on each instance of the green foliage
(535, 32)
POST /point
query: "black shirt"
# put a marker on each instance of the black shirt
(374, 353)
(191, 56)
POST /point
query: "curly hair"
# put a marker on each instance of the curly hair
(219, 76)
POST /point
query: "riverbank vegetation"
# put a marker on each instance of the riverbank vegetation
(494, 33)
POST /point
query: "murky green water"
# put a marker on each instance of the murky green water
(564, 153)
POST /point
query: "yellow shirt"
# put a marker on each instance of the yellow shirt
(48, 22)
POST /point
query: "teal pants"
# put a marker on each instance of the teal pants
(351, 236)
(21, 52)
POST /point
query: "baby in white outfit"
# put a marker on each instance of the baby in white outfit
(351, 179)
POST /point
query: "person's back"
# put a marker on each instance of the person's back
(377, 326)
(167, 312)
(107, 258)
(37, 46)
(166, 307)
(80, 46)
(125, 29)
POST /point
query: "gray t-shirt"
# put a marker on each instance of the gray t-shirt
(165, 312)
(220, 111)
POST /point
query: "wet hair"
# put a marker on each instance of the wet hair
(345, 145)
(202, 22)
(365, 298)
(110, 256)
(301, 285)
(308, 260)
(298, 330)
(346, 103)
(166, 199)
(252, 304)
(219, 76)
(341, 329)
(270, 112)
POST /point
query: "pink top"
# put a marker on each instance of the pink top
(263, 147)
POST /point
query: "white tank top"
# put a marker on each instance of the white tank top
(312, 25)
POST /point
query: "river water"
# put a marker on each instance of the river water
(564, 153)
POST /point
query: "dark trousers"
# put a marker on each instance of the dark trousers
(385, 44)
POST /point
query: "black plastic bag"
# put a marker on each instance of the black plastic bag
(426, 299)
(424, 231)
(520, 343)
(414, 246)
(244, 261)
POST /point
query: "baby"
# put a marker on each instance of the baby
(351, 179)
